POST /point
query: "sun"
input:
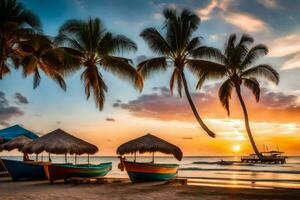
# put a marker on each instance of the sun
(236, 148)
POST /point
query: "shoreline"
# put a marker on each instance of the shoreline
(115, 191)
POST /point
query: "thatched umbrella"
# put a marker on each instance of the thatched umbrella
(149, 143)
(60, 142)
(16, 143)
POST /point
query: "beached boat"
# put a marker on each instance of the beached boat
(19, 170)
(64, 171)
(143, 171)
(61, 142)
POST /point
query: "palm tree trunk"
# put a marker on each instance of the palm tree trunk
(193, 107)
(238, 91)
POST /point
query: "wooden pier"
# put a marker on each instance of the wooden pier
(272, 157)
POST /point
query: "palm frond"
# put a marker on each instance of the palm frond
(225, 94)
(246, 40)
(29, 65)
(155, 41)
(122, 69)
(253, 85)
(36, 78)
(207, 68)
(253, 54)
(148, 67)
(122, 43)
(209, 53)
(263, 71)
(92, 79)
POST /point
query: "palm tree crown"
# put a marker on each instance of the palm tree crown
(16, 23)
(39, 53)
(177, 48)
(89, 44)
(236, 66)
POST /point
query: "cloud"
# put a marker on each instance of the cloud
(21, 99)
(292, 63)
(7, 112)
(160, 105)
(213, 8)
(110, 119)
(246, 22)
(158, 16)
(285, 45)
(187, 138)
(272, 4)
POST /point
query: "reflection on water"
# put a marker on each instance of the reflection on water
(207, 172)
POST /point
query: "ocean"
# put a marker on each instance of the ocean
(201, 170)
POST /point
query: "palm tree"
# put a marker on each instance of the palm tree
(89, 44)
(236, 65)
(16, 22)
(38, 53)
(176, 49)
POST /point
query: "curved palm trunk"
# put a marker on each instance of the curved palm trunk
(238, 91)
(193, 107)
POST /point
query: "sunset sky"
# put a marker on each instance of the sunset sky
(275, 120)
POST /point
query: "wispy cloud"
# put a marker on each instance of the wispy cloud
(245, 22)
(160, 105)
(213, 8)
(272, 4)
(21, 99)
(7, 111)
(285, 45)
(292, 63)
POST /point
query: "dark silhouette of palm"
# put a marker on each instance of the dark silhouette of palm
(176, 49)
(16, 23)
(236, 65)
(89, 45)
(38, 53)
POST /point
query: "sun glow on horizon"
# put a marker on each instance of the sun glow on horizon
(236, 148)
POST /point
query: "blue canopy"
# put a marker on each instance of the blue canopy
(15, 131)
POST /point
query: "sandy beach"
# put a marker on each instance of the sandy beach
(115, 191)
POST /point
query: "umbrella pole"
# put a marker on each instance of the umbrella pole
(42, 157)
(66, 158)
(153, 157)
(88, 159)
(135, 156)
(36, 157)
(75, 159)
(49, 159)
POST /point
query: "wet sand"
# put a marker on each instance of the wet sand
(35, 190)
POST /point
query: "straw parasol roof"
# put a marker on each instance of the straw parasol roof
(60, 142)
(149, 143)
(16, 143)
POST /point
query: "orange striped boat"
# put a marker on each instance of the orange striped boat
(142, 172)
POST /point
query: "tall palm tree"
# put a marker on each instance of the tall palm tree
(90, 45)
(38, 53)
(236, 66)
(177, 49)
(16, 22)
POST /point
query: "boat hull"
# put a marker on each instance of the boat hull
(146, 172)
(63, 171)
(19, 170)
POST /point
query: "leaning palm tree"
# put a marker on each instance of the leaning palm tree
(16, 22)
(236, 65)
(177, 49)
(88, 44)
(38, 53)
